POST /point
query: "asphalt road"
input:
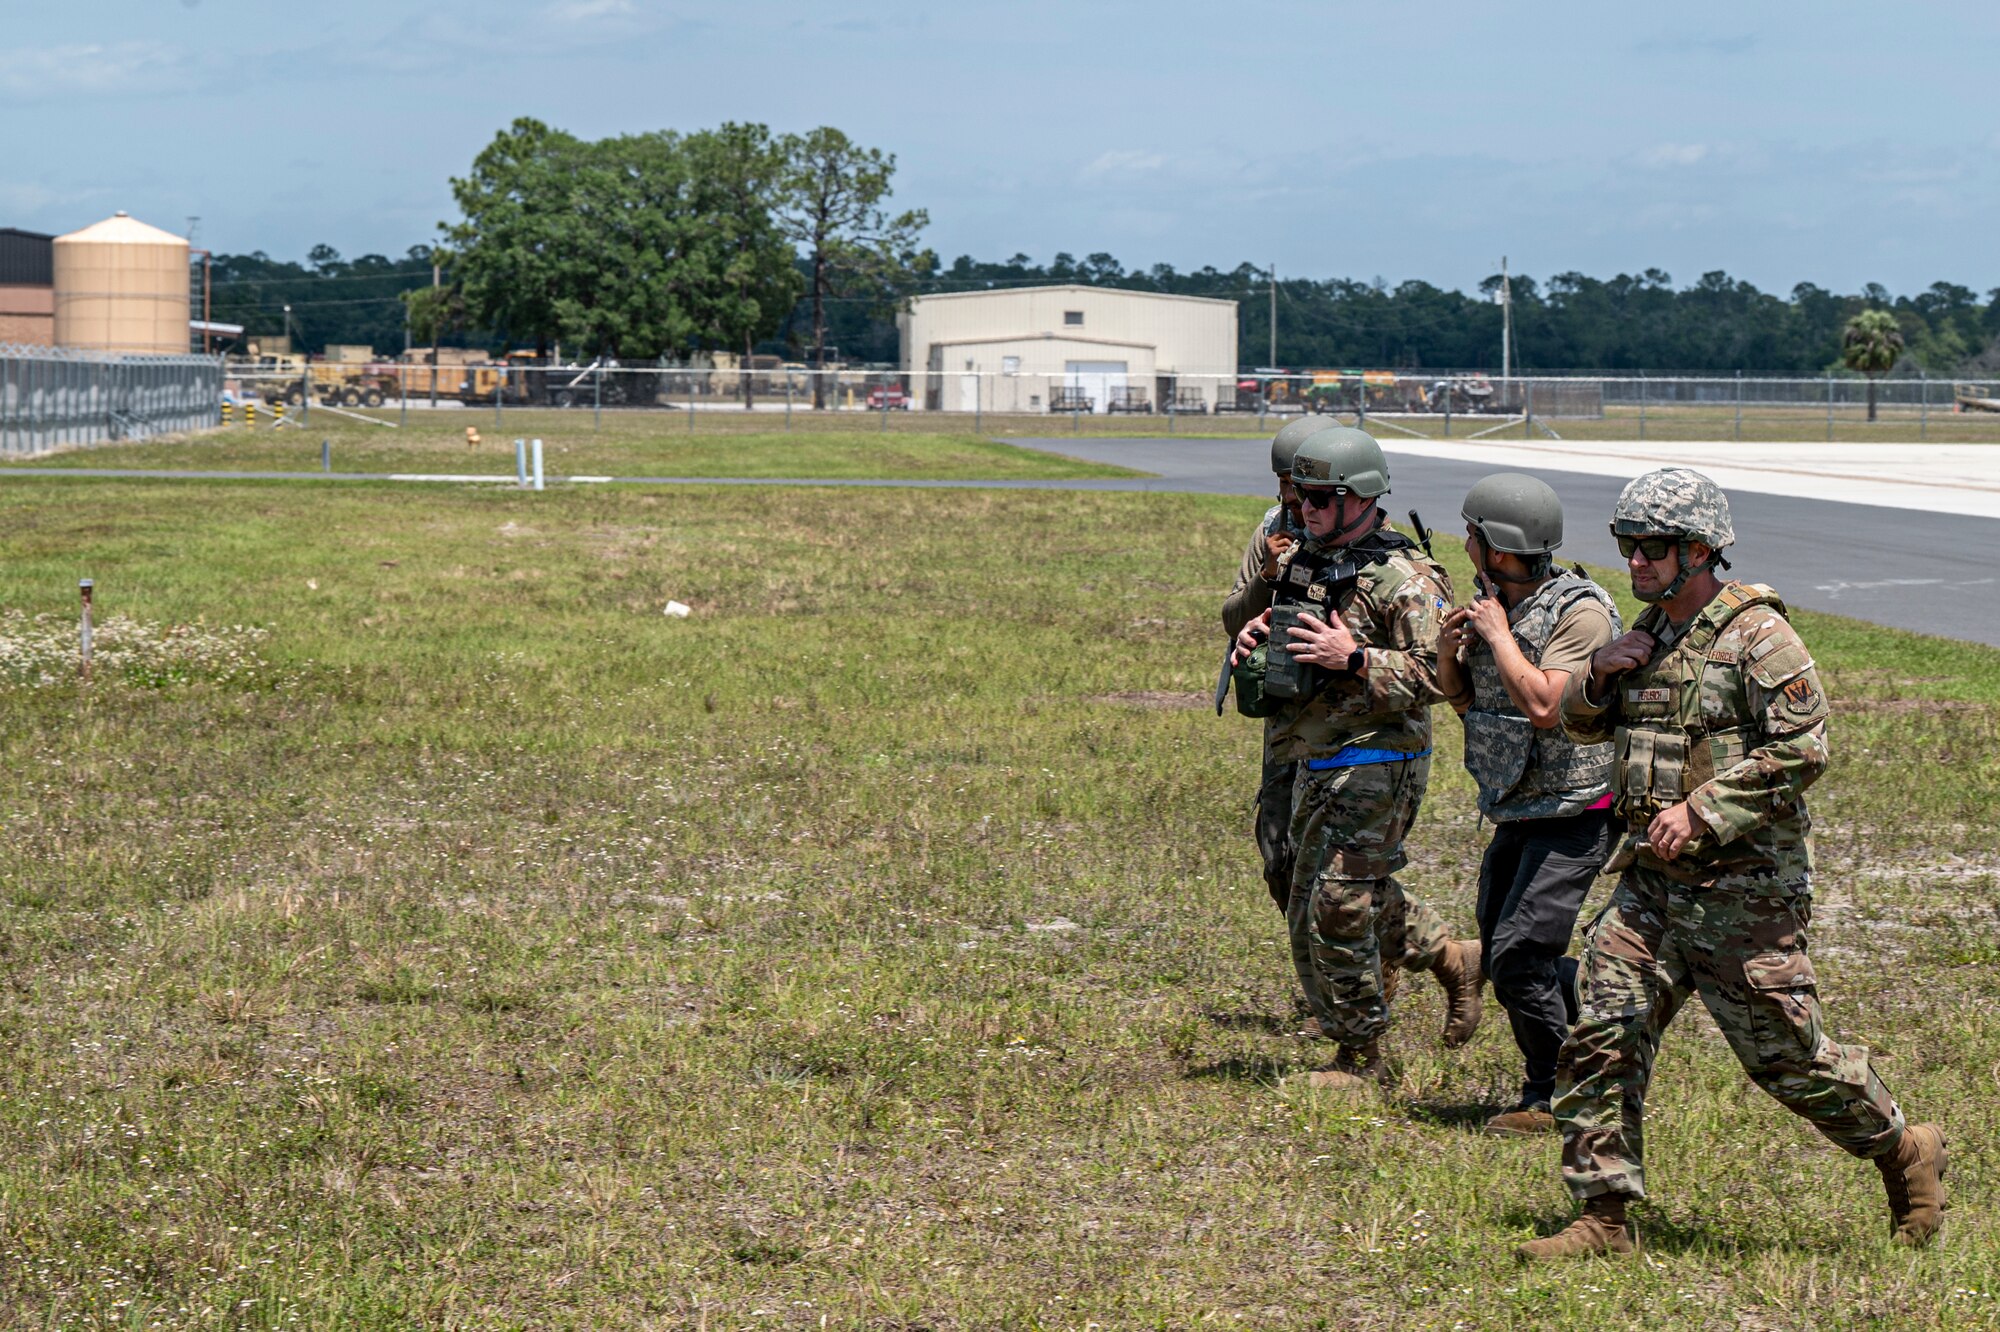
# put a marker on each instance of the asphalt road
(1934, 573)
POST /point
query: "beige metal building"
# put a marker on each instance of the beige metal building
(1030, 349)
(122, 286)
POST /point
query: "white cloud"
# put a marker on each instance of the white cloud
(590, 11)
(1674, 154)
(1123, 162)
(29, 74)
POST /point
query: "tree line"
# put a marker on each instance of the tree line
(664, 244)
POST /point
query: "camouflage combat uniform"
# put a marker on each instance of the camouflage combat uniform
(1728, 715)
(1250, 598)
(1362, 745)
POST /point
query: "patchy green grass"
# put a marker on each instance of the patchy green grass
(629, 444)
(882, 946)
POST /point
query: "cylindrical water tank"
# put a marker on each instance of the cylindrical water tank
(122, 286)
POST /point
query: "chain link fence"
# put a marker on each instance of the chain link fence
(55, 397)
(1104, 399)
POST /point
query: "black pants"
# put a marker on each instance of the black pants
(1532, 882)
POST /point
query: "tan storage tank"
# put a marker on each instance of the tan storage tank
(122, 286)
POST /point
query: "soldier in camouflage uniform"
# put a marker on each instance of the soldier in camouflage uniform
(1719, 725)
(1361, 736)
(1277, 532)
(1502, 665)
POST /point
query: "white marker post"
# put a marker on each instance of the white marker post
(538, 464)
(521, 463)
(83, 588)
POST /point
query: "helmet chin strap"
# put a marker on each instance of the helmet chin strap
(1335, 537)
(1688, 570)
(1539, 569)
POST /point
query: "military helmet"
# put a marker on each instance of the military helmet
(1674, 501)
(1285, 444)
(1342, 458)
(1514, 513)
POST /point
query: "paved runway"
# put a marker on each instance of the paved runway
(1937, 573)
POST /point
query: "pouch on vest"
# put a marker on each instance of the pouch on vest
(1248, 676)
(1497, 748)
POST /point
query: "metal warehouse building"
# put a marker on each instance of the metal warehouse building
(1027, 349)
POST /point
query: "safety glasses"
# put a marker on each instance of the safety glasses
(1654, 547)
(1317, 499)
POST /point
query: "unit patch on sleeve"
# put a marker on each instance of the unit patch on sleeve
(1800, 696)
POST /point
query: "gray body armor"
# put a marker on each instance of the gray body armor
(1522, 772)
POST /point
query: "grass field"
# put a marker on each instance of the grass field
(469, 945)
(629, 444)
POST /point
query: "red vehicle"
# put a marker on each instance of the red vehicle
(886, 397)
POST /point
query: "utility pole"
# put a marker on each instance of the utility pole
(1273, 362)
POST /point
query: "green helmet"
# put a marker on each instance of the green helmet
(1342, 458)
(1674, 501)
(1514, 513)
(1285, 444)
(1677, 502)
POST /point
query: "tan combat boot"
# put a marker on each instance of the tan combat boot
(1457, 969)
(1600, 1230)
(1913, 1172)
(1311, 1030)
(1523, 1121)
(1356, 1069)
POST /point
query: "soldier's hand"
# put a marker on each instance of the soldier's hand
(1452, 634)
(1275, 545)
(1320, 643)
(1253, 633)
(1628, 652)
(1671, 830)
(1487, 618)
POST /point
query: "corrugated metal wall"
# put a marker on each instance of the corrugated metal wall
(27, 258)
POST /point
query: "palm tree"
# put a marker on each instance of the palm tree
(1870, 343)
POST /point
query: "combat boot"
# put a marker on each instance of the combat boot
(1310, 1030)
(1356, 1069)
(1457, 969)
(1600, 1230)
(1913, 1173)
(1527, 1120)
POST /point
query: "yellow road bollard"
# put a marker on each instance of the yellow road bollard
(278, 413)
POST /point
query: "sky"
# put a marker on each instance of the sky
(1835, 143)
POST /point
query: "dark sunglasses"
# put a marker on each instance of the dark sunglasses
(1655, 548)
(1317, 499)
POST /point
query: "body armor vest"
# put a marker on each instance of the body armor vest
(1522, 772)
(1669, 746)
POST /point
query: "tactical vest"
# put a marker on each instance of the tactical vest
(1668, 745)
(1341, 713)
(1522, 772)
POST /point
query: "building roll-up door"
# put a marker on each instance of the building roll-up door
(1097, 379)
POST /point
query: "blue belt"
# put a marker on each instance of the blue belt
(1355, 758)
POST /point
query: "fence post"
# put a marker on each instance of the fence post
(326, 455)
(1923, 405)
(1829, 406)
(1528, 410)
(596, 400)
(1642, 404)
(1739, 406)
(1447, 410)
(788, 402)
